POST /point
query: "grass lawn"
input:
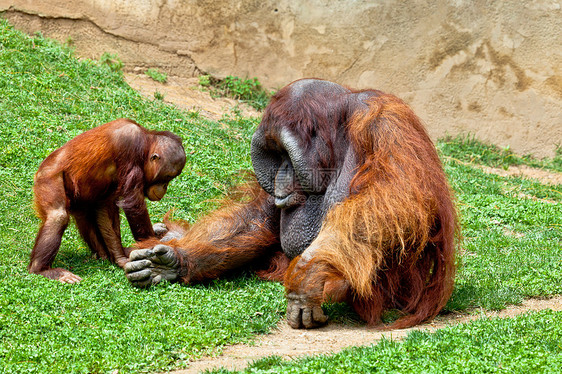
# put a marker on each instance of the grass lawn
(512, 248)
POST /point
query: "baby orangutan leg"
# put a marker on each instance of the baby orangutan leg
(55, 220)
(309, 283)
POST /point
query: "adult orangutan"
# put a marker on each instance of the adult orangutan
(352, 192)
(90, 177)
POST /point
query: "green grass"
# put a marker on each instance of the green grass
(512, 247)
(468, 149)
(103, 324)
(249, 91)
(112, 61)
(157, 75)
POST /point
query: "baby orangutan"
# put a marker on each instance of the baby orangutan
(112, 166)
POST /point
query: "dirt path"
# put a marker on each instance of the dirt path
(289, 343)
(524, 171)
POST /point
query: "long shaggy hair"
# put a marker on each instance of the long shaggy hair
(393, 238)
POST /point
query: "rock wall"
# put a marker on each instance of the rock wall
(488, 68)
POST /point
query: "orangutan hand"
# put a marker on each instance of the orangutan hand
(149, 266)
(302, 312)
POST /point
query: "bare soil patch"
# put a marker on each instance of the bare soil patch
(186, 94)
(524, 171)
(289, 343)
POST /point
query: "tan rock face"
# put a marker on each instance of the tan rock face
(492, 69)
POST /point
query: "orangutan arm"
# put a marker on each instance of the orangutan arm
(310, 281)
(226, 240)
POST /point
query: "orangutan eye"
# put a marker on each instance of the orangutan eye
(154, 157)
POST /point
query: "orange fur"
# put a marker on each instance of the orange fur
(393, 238)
